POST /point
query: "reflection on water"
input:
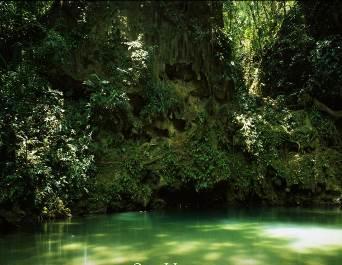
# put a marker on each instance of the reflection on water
(253, 237)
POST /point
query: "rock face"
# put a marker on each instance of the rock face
(178, 138)
(185, 44)
(181, 54)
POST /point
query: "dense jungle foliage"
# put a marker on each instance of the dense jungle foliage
(110, 106)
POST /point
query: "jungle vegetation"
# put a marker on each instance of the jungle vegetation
(113, 106)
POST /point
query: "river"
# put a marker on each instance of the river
(232, 236)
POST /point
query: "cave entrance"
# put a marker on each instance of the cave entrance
(188, 198)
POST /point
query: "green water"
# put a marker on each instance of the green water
(251, 237)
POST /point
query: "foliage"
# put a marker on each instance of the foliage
(53, 49)
(161, 100)
(310, 170)
(286, 138)
(285, 65)
(16, 17)
(84, 83)
(253, 26)
(326, 76)
(104, 94)
(198, 164)
(44, 160)
(294, 144)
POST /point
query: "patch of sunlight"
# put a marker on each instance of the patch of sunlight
(267, 244)
(127, 257)
(210, 229)
(185, 247)
(119, 260)
(316, 262)
(134, 256)
(100, 249)
(73, 246)
(129, 216)
(203, 226)
(137, 228)
(98, 235)
(123, 247)
(304, 239)
(161, 235)
(212, 256)
(81, 261)
(94, 261)
(88, 262)
(171, 243)
(215, 246)
(227, 226)
(244, 260)
(105, 256)
(50, 242)
(235, 227)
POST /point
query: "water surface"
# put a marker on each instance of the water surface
(235, 236)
